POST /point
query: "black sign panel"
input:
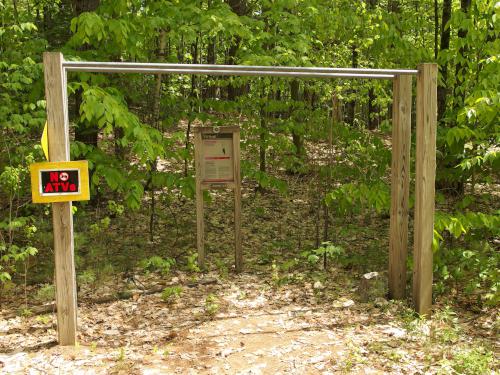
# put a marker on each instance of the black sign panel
(59, 182)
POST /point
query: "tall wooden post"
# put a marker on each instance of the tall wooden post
(237, 202)
(62, 217)
(200, 225)
(424, 186)
(400, 185)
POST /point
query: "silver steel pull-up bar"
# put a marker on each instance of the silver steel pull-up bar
(234, 70)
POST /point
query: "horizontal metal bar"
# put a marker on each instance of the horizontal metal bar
(72, 65)
(232, 72)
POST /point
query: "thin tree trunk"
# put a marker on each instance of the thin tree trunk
(180, 50)
(84, 131)
(194, 95)
(157, 123)
(233, 91)
(373, 110)
(117, 136)
(240, 8)
(442, 90)
(210, 91)
(459, 90)
(194, 49)
(297, 138)
(262, 141)
(211, 59)
(186, 146)
(317, 215)
(351, 104)
(394, 6)
(436, 29)
(334, 120)
(337, 109)
(16, 13)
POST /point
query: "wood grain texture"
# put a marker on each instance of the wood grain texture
(217, 185)
(424, 186)
(400, 185)
(200, 224)
(237, 202)
(62, 217)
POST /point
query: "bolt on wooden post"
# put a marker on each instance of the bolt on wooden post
(217, 163)
(62, 217)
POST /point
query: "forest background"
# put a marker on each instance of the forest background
(136, 130)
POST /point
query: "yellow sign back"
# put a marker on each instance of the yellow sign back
(45, 141)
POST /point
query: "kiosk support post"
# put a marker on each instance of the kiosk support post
(237, 203)
(200, 224)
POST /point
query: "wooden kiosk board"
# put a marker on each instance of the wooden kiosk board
(217, 159)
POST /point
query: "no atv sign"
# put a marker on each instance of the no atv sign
(60, 181)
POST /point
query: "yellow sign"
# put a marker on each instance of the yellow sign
(45, 141)
(60, 181)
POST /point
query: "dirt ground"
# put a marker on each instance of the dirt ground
(247, 326)
(279, 316)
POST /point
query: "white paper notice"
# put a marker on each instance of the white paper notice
(217, 157)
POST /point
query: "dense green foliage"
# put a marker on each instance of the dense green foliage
(125, 125)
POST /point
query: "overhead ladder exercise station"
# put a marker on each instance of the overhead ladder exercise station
(56, 69)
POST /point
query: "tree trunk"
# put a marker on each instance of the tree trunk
(394, 6)
(162, 43)
(373, 110)
(336, 109)
(262, 141)
(436, 29)
(210, 92)
(84, 131)
(82, 6)
(211, 59)
(157, 123)
(180, 50)
(351, 104)
(298, 140)
(454, 184)
(442, 90)
(459, 91)
(233, 91)
(239, 7)
(119, 149)
(194, 53)
(16, 13)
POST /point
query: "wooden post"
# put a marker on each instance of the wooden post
(237, 202)
(424, 186)
(200, 226)
(400, 185)
(62, 217)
